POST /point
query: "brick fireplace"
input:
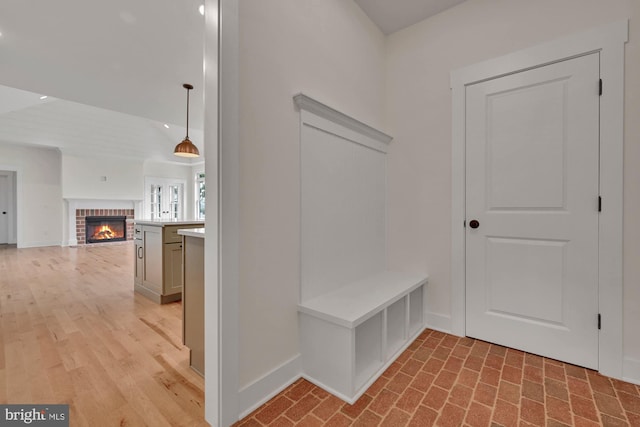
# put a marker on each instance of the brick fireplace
(82, 214)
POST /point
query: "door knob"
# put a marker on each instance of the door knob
(474, 223)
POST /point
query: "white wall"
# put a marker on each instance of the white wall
(39, 193)
(331, 51)
(101, 178)
(84, 178)
(418, 110)
(168, 170)
(45, 177)
(88, 180)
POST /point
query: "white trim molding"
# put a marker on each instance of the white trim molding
(631, 370)
(19, 209)
(216, 357)
(268, 386)
(438, 322)
(12, 203)
(327, 117)
(222, 164)
(609, 41)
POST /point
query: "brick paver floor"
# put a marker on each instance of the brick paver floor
(444, 380)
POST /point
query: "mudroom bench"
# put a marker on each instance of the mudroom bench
(351, 335)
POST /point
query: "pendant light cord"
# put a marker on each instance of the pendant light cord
(188, 112)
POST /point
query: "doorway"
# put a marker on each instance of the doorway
(164, 199)
(7, 207)
(532, 150)
(608, 42)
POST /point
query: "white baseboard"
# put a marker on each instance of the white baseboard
(39, 244)
(260, 391)
(631, 370)
(438, 322)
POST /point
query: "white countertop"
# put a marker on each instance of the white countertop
(163, 222)
(192, 232)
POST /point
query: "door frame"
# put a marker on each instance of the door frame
(15, 215)
(9, 200)
(222, 170)
(609, 41)
(152, 180)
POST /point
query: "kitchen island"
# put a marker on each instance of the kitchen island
(158, 258)
(193, 296)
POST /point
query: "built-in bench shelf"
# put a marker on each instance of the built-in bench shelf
(355, 318)
(351, 335)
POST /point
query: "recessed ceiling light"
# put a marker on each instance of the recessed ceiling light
(201, 9)
(166, 126)
(44, 97)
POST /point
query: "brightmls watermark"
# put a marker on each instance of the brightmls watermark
(36, 415)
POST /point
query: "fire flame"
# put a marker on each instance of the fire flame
(104, 233)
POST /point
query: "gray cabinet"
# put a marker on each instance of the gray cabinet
(172, 268)
(193, 301)
(152, 259)
(158, 262)
(139, 261)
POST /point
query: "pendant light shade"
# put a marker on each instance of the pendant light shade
(186, 148)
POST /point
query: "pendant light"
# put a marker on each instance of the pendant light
(186, 147)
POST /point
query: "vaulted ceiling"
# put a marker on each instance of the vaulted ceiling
(82, 130)
(394, 15)
(113, 71)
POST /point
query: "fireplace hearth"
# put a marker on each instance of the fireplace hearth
(103, 229)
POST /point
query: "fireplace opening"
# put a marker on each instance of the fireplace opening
(102, 229)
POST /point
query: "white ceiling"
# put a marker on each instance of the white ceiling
(121, 56)
(393, 15)
(80, 129)
(127, 56)
(113, 71)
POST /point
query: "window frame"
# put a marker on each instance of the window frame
(166, 201)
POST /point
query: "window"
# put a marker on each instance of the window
(174, 201)
(164, 199)
(200, 195)
(155, 203)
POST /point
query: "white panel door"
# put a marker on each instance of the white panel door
(4, 209)
(532, 152)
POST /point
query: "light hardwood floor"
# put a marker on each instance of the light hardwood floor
(73, 331)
